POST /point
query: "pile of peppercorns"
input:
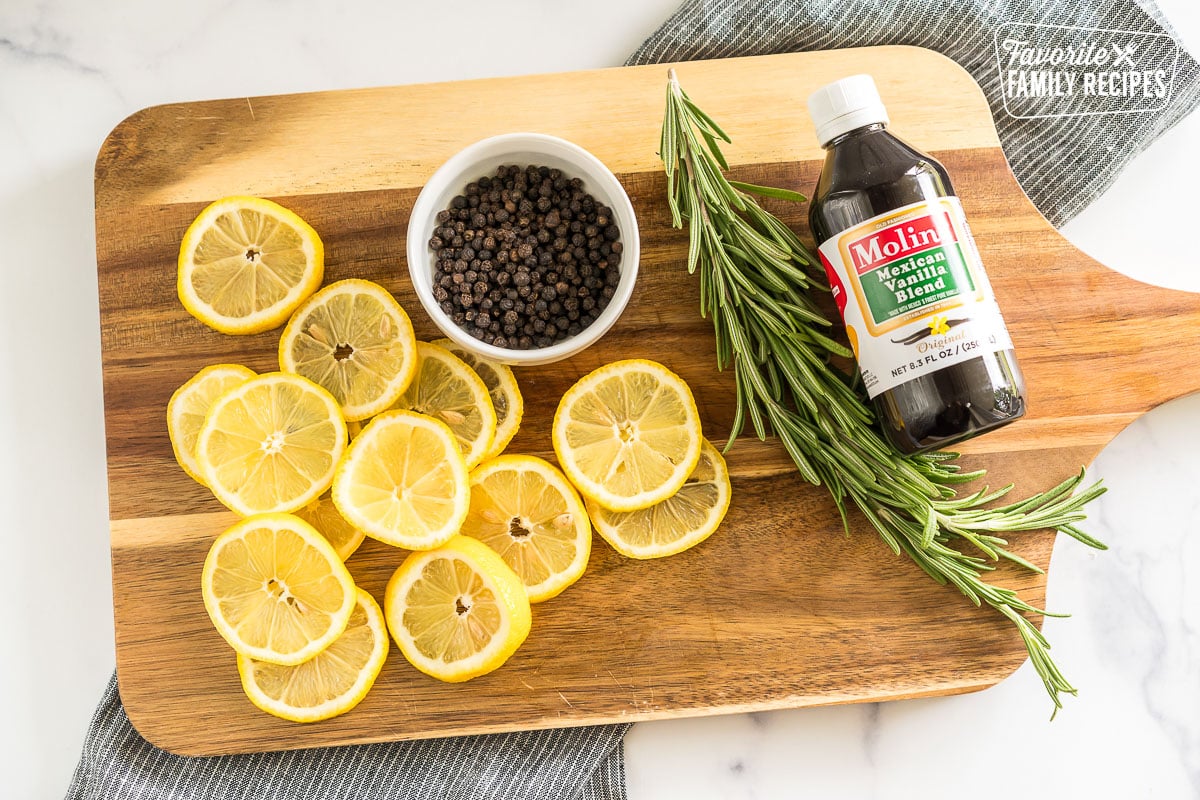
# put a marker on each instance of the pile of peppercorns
(525, 258)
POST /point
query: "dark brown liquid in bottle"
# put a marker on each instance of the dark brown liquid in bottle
(868, 172)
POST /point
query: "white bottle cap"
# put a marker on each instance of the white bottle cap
(844, 105)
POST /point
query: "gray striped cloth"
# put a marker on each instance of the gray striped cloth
(1067, 128)
(1065, 147)
(576, 763)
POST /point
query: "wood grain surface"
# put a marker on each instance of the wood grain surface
(780, 608)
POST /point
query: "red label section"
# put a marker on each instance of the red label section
(835, 283)
(900, 240)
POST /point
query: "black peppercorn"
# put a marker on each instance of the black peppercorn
(525, 257)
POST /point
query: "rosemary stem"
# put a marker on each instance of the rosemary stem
(757, 283)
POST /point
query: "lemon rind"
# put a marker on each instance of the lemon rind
(228, 499)
(591, 489)
(611, 534)
(557, 583)
(340, 617)
(264, 319)
(178, 396)
(506, 429)
(399, 383)
(504, 583)
(334, 706)
(342, 478)
(482, 444)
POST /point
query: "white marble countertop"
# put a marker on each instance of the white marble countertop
(71, 70)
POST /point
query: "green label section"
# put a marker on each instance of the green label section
(916, 281)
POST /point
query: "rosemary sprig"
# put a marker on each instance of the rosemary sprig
(757, 283)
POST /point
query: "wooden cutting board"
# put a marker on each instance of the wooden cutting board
(780, 608)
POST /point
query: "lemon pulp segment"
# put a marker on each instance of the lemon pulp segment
(355, 340)
(271, 444)
(457, 612)
(628, 434)
(276, 590)
(330, 683)
(323, 515)
(448, 390)
(190, 404)
(502, 386)
(675, 524)
(245, 263)
(404, 481)
(526, 510)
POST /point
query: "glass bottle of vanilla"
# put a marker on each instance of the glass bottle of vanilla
(932, 348)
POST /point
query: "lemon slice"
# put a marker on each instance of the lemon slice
(448, 390)
(330, 683)
(276, 590)
(246, 263)
(683, 520)
(527, 511)
(190, 403)
(353, 338)
(502, 387)
(628, 434)
(457, 612)
(271, 444)
(404, 482)
(323, 515)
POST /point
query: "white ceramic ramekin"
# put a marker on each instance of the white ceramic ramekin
(483, 158)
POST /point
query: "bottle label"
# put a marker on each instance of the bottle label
(911, 289)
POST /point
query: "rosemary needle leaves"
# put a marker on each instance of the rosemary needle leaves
(756, 282)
